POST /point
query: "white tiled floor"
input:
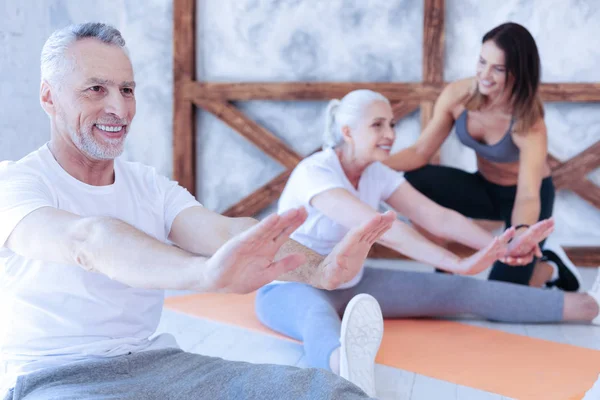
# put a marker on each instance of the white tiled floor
(232, 343)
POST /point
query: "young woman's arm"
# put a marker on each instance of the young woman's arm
(533, 153)
(436, 131)
(451, 225)
(440, 221)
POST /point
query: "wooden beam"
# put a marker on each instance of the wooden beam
(584, 256)
(588, 191)
(184, 71)
(411, 91)
(570, 92)
(260, 199)
(580, 256)
(426, 113)
(403, 108)
(394, 91)
(553, 162)
(570, 172)
(433, 57)
(433, 41)
(253, 132)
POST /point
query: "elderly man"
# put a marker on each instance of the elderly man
(86, 252)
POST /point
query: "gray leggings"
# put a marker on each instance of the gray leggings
(313, 315)
(174, 374)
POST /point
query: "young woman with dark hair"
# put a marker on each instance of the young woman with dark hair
(499, 114)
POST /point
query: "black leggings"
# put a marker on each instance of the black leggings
(475, 197)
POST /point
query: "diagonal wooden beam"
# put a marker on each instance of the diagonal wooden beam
(260, 199)
(184, 70)
(572, 174)
(588, 191)
(575, 169)
(553, 162)
(403, 108)
(253, 132)
(411, 91)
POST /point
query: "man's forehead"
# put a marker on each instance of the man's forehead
(100, 61)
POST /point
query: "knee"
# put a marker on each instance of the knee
(263, 304)
(263, 292)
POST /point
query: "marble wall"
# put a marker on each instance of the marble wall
(380, 40)
(299, 40)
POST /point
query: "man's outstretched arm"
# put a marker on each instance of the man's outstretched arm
(202, 231)
(127, 255)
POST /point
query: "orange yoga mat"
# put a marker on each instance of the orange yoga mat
(511, 365)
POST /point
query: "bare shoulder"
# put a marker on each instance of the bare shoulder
(456, 93)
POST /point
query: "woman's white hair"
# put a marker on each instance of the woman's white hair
(53, 61)
(347, 111)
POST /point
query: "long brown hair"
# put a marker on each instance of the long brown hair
(522, 62)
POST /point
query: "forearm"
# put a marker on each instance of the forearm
(458, 228)
(526, 210)
(127, 255)
(309, 272)
(406, 240)
(406, 159)
(203, 232)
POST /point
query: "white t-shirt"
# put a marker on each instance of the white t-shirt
(52, 314)
(321, 172)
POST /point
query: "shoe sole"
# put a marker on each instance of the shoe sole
(361, 334)
(566, 272)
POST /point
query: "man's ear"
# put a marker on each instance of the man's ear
(46, 98)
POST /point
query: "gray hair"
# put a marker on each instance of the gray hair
(346, 111)
(53, 60)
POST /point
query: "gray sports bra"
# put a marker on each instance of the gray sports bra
(504, 151)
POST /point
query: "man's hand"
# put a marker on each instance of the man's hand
(246, 262)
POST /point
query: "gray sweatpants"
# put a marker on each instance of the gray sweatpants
(174, 374)
(313, 316)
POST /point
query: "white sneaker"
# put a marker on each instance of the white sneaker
(362, 331)
(595, 293)
(594, 392)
